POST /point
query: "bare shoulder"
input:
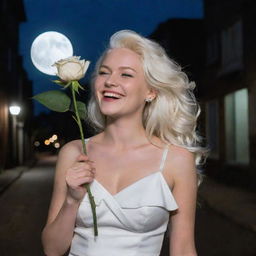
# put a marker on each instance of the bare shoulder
(180, 156)
(180, 165)
(74, 145)
(69, 152)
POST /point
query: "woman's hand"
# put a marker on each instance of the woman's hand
(77, 175)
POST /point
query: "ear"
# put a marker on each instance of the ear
(152, 93)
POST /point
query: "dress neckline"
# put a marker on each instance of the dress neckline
(133, 183)
(159, 171)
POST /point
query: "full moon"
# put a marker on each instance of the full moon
(48, 48)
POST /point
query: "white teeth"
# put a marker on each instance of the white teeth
(110, 94)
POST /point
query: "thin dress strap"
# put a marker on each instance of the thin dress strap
(164, 158)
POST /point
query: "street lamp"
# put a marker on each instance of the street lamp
(14, 110)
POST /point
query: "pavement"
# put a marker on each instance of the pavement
(236, 204)
(7, 177)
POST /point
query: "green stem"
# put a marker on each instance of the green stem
(87, 186)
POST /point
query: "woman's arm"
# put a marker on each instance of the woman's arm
(183, 172)
(72, 171)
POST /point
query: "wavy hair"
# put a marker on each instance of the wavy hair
(172, 115)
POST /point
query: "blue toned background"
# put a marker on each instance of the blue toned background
(90, 23)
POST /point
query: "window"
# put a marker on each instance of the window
(236, 127)
(212, 128)
(212, 49)
(232, 48)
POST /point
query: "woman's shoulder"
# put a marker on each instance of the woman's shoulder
(74, 145)
(180, 154)
(71, 150)
(180, 161)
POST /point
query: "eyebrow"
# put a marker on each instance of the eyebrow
(122, 67)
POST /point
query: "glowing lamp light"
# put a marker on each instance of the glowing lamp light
(57, 145)
(47, 142)
(14, 110)
(54, 137)
(36, 143)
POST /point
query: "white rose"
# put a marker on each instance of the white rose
(71, 68)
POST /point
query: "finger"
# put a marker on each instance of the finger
(80, 165)
(93, 170)
(80, 174)
(75, 182)
(83, 167)
(82, 158)
(84, 180)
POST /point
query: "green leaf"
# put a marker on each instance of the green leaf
(80, 87)
(54, 100)
(81, 109)
(67, 85)
(59, 82)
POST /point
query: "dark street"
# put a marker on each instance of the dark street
(25, 203)
(216, 235)
(209, 68)
(24, 207)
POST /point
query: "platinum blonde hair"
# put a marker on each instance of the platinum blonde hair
(172, 115)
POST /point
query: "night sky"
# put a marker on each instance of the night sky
(90, 23)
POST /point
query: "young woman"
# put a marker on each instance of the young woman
(141, 165)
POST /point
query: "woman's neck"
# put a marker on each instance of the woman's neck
(124, 133)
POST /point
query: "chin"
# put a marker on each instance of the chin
(111, 114)
(109, 110)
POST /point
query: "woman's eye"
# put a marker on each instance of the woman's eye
(102, 72)
(126, 75)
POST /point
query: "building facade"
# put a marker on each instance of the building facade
(183, 40)
(228, 89)
(219, 54)
(15, 88)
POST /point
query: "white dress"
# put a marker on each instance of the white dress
(130, 223)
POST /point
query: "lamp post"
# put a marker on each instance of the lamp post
(14, 110)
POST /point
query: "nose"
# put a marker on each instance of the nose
(111, 81)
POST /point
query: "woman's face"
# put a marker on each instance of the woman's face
(120, 85)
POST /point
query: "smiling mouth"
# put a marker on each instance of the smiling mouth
(111, 95)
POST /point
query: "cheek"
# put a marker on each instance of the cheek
(142, 92)
(96, 84)
(143, 87)
(97, 97)
(96, 89)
